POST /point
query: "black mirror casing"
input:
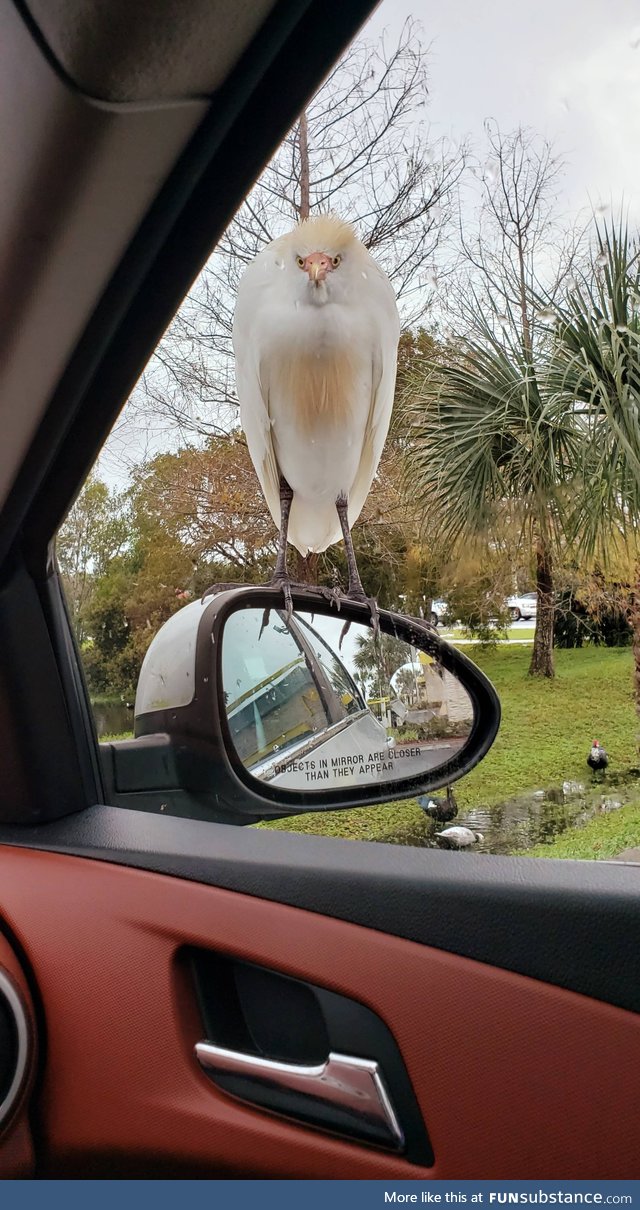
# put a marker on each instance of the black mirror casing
(206, 769)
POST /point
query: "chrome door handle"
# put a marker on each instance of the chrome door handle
(344, 1094)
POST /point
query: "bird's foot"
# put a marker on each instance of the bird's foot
(226, 586)
(286, 584)
(358, 594)
(335, 596)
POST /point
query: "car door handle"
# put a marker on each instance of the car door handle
(343, 1094)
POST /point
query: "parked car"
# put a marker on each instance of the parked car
(439, 613)
(523, 606)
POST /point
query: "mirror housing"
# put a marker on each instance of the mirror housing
(181, 721)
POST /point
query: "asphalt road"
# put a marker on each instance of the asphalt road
(412, 759)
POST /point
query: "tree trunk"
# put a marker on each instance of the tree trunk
(303, 148)
(307, 568)
(542, 657)
(633, 614)
(524, 311)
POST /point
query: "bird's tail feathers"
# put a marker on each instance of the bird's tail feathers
(319, 524)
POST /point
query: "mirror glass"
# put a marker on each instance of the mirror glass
(310, 707)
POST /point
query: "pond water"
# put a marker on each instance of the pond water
(112, 718)
(536, 817)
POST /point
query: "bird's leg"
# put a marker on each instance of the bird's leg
(286, 496)
(355, 590)
(281, 577)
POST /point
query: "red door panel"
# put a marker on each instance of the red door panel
(514, 1077)
(16, 1143)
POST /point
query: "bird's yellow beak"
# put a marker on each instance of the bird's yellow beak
(317, 265)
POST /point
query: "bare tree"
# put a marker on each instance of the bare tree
(361, 148)
(515, 249)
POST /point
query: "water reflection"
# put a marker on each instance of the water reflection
(112, 718)
(523, 821)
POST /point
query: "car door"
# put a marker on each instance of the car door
(189, 997)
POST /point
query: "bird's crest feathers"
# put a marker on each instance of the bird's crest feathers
(322, 232)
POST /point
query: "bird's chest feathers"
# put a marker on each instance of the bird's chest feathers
(317, 376)
(317, 389)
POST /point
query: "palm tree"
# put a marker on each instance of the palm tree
(595, 375)
(488, 445)
(378, 657)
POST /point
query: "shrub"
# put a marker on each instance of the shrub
(575, 624)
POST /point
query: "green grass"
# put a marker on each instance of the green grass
(605, 836)
(548, 725)
(546, 731)
(524, 633)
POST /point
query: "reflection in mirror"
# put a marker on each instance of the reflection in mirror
(308, 711)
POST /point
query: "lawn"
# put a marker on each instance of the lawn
(604, 836)
(548, 725)
(520, 634)
(546, 732)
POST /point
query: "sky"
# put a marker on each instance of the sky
(568, 68)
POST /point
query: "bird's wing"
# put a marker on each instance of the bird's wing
(253, 395)
(385, 333)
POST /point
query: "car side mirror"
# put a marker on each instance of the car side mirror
(268, 713)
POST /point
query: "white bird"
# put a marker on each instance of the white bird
(459, 837)
(315, 338)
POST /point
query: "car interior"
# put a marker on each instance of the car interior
(184, 997)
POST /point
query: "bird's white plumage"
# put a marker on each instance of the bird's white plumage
(459, 837)
(315, 375)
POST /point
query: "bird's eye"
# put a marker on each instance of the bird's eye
(336, 261)
(299, 262)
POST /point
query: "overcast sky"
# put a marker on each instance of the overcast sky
(568, 68)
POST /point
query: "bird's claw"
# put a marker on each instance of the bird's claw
(227, 586)
(285, 584)
(372, 605)
(335, 596)
(288, 601)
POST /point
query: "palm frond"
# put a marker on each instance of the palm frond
(594, 374)
(484, 434)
